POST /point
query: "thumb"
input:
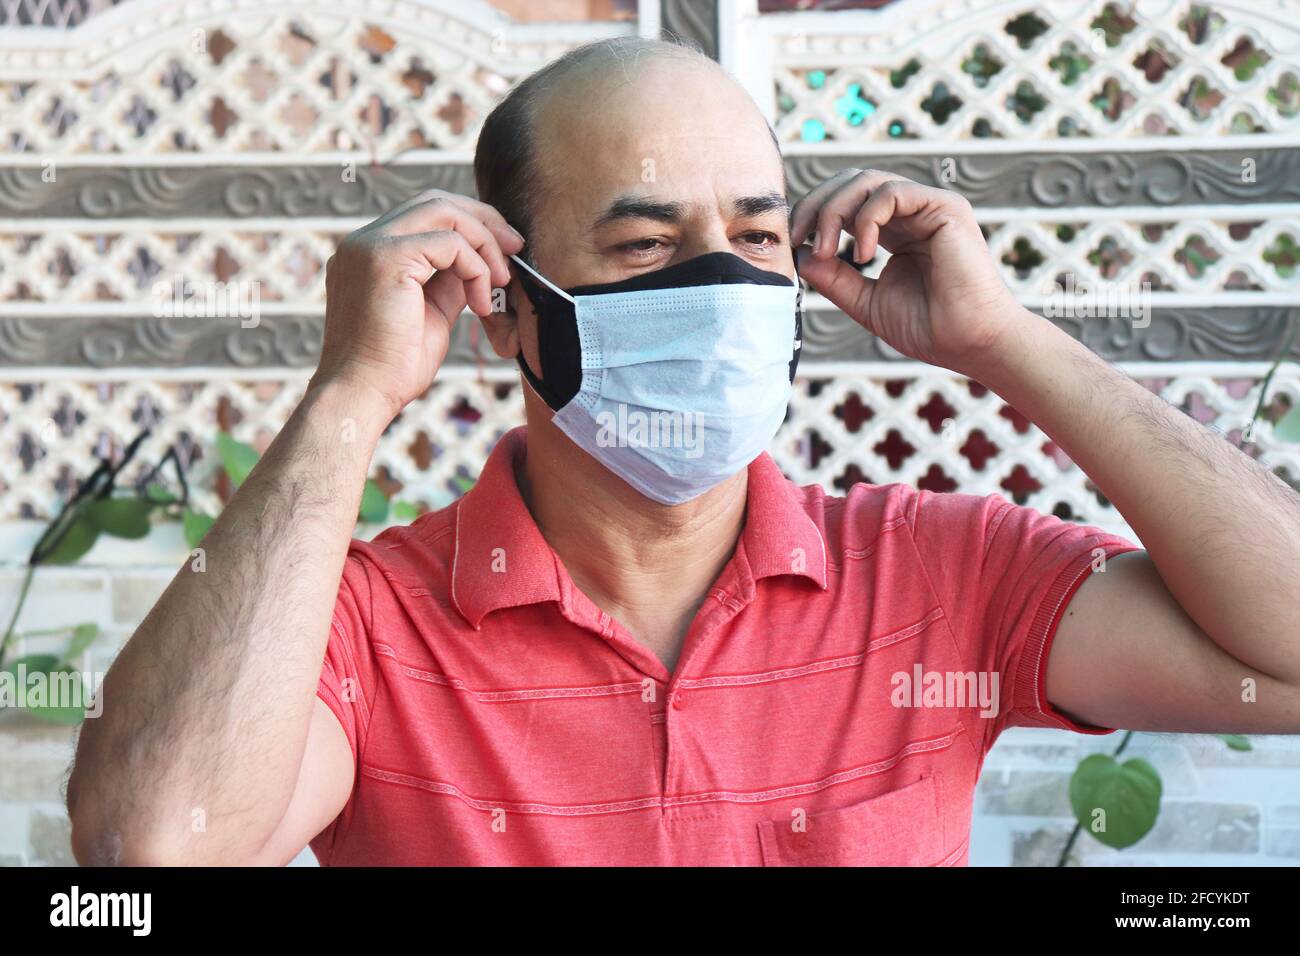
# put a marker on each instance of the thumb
(838, 281)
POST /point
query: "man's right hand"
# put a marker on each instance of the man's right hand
(220, 678)
(394, 288)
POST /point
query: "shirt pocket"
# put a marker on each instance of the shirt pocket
(903, 827)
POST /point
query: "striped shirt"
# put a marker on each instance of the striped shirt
(833, 702)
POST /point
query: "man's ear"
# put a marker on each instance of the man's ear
(502, 325)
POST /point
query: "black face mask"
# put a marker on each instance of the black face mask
(557, 328)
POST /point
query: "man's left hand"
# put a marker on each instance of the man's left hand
(939, 299)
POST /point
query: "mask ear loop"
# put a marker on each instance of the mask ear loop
(798, 326)
(543, 280)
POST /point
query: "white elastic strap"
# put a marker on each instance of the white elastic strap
(542, 279)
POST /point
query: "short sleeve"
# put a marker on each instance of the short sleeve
(1004, 575)
(346, 675)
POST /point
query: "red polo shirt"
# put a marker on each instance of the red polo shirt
(833, 703)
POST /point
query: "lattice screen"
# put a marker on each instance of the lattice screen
(958, 70)
(1104, 144)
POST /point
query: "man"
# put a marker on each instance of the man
(622, 652)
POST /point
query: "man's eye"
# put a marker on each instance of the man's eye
(641, 245)
(762, 238)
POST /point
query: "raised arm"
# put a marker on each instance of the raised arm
(212, 747)
(1198, 633)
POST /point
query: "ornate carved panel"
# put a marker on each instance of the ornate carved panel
(1165, 177)
(293, 341)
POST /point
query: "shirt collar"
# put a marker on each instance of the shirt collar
(780, 537)
(500, 558)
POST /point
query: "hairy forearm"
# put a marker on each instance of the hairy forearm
(1223, 532)
(207, 708)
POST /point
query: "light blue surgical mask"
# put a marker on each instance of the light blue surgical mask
(674, 380)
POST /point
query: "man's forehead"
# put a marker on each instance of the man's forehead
(620, 147)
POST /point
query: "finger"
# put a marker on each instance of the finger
(427, 254)
(839, 282)
(842, 206)
(901, 212)
(485, 213)
(383, 224)
(490, 216)
(804, 213)
(445, 294)
(511, 239)
(400, 208)
(439, 213)
(842, 193)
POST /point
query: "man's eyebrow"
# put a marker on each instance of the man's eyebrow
(638, 207)
(757, 205)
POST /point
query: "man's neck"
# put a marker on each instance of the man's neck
(647, 565)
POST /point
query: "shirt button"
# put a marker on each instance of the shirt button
(678, 703)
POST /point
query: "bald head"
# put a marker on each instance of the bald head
(622, 107)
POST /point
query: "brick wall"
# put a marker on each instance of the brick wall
(114, 586)
(1220, 806)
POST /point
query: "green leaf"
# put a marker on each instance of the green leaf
(195, 525)
(160, 495)
(374, 504)
(48, 710)
(237, 458)
(121, 517)
(77, 540)
(1235, 741)
(83, 635)
(1288, 426)
(1128, 793)
(33, 663)
(405, 511)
